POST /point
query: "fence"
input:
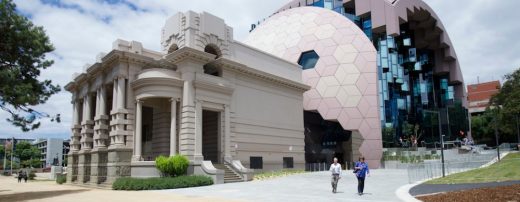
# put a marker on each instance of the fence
(428, 170)
(312, 167)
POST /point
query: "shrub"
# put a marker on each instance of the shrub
(180, 164)
(32, 175)
(161, 183)
(172, 166)
(60, 179)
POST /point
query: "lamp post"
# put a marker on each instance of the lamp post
(441, 137)
(496, 137)
(518, 130)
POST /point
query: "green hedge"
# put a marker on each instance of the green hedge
(60, 178)
(172, 166)
(161, 183)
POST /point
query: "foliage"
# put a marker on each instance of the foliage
(28, 154)
(482, 129)
(388, 135)
(22, 57)
(274, 174)
(509, 95)
(505, 170)
(161, 183)
(172, 166)
(408, 129)
(32, 174)
(504, 109)
(180, 164)
(60, 178)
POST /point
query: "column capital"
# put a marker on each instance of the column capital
(226, 106)
(175, 99)
(139, 101)
(199, 101)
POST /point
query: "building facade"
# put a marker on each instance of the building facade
(376, 67)
(51, 149)
(480, 94)
(224, 105)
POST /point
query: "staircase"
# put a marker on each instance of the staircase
(229, 175)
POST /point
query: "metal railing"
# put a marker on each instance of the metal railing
(314, 167)
(428, 170)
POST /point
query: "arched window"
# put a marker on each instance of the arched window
(172, 48)
(308, 59)
(213, 49)
(212, 69)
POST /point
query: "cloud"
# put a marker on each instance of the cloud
(484, 35)
(482, 31)
(80, 29)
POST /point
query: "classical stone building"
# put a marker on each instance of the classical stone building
(226, 106)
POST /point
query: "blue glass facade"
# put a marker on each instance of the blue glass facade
(408, 87)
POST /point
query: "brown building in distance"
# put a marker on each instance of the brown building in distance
(480, 94)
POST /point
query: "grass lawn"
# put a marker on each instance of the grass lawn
(505, 170)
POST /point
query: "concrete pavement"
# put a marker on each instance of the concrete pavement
(380, 186)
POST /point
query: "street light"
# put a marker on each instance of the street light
(496, 137)
(441, 137)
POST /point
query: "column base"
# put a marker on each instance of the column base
(84, 160)
(136, 158)
(198, 159)
(118, 164)
(72, 167)
(98, 169)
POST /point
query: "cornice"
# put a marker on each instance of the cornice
(241, 68)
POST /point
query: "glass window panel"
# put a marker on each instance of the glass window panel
(308, 59)
(407, 42)
(329, 4)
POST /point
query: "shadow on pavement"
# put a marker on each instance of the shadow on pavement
(24, 196)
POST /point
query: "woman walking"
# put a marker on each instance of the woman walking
(361, 170)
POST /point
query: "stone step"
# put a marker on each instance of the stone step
(229, 175)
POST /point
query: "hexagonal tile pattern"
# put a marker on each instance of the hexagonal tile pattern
(344, 79)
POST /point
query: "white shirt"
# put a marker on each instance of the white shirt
(335, 168)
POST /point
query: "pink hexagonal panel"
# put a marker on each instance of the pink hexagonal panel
(343, 81)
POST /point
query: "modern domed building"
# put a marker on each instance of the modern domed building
(314, 81)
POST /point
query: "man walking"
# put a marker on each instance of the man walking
(335, 168)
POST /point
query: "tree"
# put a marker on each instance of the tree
(22, 56)
(28, 154)
(506, 106)
(482, 128)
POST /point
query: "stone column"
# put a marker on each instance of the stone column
(187, 128)
(75, 144)
(121, 92)
(138, 131)
(198, 131)
(114, 95)
(87, 132)
(173, 127)
(99, 153)
(227, 134)
(120, 150)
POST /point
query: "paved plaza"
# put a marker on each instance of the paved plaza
(380, 186)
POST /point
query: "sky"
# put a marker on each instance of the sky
(482, 31)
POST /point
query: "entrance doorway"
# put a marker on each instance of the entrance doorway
(211, 136)
(324, 140)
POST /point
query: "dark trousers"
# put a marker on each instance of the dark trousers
(361, 184)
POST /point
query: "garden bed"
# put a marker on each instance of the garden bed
(128, 183)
